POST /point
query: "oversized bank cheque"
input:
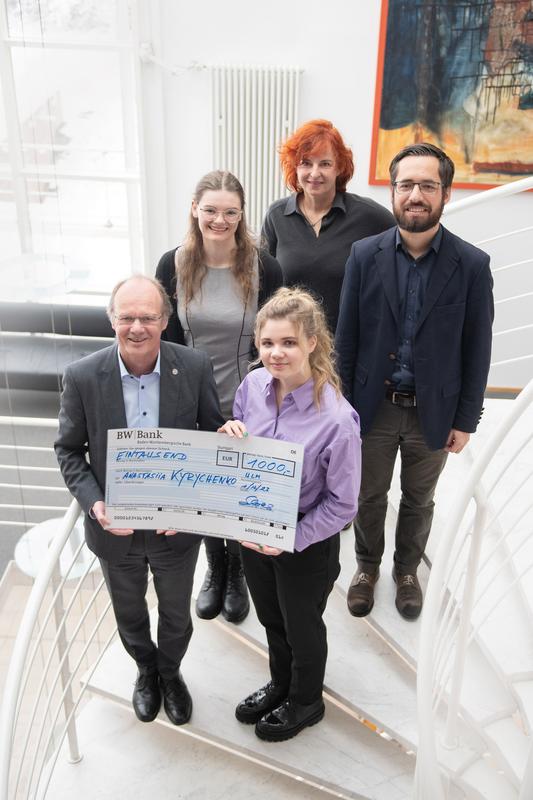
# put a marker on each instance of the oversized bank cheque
(205, 483)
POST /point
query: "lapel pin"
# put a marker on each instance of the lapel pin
(174, 371)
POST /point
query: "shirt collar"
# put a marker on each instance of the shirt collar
(292, 204)
(303, 396)
(433, 245)
(124, 372)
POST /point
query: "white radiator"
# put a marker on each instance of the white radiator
(254, 109)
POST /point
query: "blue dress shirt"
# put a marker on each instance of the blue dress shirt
(141, 396)
(413, 278)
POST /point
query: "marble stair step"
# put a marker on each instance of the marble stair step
(514, 745)
(485, 696)
(391, 706)
(340, 754)
(489, 783)
(367, 677)
(384, 618)
(114, 745)
(363, 673)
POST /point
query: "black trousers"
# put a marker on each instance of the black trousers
(215, 544)
(396, 429)
(290, 592)
(127, 582)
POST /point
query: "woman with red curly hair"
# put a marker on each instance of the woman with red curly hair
(311, 232)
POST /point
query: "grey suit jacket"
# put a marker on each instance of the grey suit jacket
(92, 403)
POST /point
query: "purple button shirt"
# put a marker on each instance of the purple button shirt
(331, 471)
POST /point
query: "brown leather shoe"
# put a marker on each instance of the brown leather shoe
(409, 597)
(360, 597)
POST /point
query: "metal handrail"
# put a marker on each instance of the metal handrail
(428, 778)
(24, 451)
(35, 421)
(23, 641)
(508, 189)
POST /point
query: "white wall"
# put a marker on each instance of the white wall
(336, 49)
(336, 46)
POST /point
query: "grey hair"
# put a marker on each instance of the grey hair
(166, 307)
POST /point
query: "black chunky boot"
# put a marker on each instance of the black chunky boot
(236, 605)
(210, 596)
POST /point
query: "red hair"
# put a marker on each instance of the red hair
(311, 139)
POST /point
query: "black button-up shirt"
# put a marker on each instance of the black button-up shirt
(413, 276)
(317, 262)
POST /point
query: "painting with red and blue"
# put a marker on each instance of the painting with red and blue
(458, 73)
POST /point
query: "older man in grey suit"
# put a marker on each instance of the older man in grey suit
(139, 382)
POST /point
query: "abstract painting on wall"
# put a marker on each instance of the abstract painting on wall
(458, 73)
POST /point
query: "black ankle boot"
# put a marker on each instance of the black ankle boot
(236, 605)
(210, 596)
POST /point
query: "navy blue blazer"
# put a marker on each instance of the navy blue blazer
(452, 344)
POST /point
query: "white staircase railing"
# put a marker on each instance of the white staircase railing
(466, 587)
(475, 200)
(65, 630)
(513, 341)
(31, 483)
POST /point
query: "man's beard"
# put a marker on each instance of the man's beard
(417, 224)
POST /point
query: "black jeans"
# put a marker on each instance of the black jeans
(290, 592)
(127, 581)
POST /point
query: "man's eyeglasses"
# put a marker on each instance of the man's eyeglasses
(146, 319)
(232, 215)
(426, 187)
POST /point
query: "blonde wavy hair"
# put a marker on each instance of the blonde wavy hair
(191, 269)
(306, 314)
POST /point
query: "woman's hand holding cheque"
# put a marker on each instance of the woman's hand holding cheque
(236, 428)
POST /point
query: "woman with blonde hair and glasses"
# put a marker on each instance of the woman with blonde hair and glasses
(216, 281)
(296, 397)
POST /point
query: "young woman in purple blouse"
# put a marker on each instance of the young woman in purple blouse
(296, 397)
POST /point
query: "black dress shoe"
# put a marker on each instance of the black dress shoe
(288, 719)
(177, 700)
(409, 597)
(210, 596)
(147, 696)
(235, 605)
(360, 596)
(257, 704)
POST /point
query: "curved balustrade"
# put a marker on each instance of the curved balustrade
(485, 536)
(65, 629)
(510, 309)
(489, 196)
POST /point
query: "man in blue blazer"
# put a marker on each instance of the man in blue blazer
(139, 382)
(413, 342)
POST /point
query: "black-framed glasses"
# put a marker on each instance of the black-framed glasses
(426, 187)
(145, 319)
(231, 215)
